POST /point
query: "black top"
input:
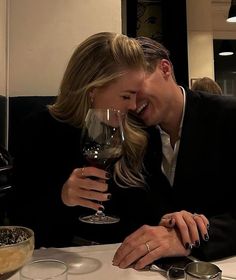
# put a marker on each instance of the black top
(47, 151)
(205, 175)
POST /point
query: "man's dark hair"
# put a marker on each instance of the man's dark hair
(153, 52)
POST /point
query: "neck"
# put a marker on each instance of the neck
(175, 109)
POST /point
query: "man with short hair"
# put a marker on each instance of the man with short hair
(196, 135)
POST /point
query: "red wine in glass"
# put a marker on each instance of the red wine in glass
(101, 144)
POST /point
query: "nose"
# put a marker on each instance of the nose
(132, 104)
(139, 95)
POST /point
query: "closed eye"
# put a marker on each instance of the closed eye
(126, 97)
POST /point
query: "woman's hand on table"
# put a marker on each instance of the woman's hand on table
(190, 226)
(85, 186)
(147, 244)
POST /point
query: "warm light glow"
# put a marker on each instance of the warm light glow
(231, 19)
(226, 53)
(226, 48)
(232, 12)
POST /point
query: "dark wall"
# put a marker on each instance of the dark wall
(175, 37)
(173, 32)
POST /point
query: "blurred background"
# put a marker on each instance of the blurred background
(38, 37)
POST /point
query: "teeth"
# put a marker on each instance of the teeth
(141, 108)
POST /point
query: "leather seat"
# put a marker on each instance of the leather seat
(19, 108)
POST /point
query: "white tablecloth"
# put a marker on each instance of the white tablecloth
(95, 262)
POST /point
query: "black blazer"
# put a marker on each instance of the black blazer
(205, 176)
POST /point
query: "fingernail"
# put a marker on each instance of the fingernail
(187, 245)
(109, 196)
(197, 243)
(206, 237)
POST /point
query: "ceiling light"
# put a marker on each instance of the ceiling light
(226, 48)
(232, 12)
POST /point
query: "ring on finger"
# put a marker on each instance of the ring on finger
(148, 247)
(82, 172)
(196, 215)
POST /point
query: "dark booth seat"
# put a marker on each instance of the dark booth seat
(19, 108)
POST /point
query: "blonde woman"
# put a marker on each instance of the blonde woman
(105, 71)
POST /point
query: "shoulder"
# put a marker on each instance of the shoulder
(211, 102)
(37, 120)
(48, 134)
(211, 98)
(42, 125)
(211, 111)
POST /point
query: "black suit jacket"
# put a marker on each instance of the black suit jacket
(205, 176)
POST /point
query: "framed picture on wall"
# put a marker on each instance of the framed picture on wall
(192, 81)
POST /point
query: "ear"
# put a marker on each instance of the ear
(165, 67)
(91, 96)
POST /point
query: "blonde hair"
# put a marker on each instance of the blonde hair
(208, 85)
(99, 60)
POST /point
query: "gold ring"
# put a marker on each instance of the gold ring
(82, 172)
(148, 247)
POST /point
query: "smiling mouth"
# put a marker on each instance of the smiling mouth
(141, 108)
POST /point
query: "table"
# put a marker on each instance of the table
(95, 262)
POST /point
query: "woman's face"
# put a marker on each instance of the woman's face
(120, 94)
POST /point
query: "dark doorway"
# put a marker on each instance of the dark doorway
(225, 68)
(164, 21)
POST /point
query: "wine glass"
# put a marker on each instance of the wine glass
(101, 143)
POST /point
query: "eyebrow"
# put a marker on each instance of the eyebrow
(131, 91)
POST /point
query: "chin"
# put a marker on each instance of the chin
(146, 121)
(144, 117)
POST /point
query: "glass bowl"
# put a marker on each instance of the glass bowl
(16, 248)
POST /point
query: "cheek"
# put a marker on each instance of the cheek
(103, 101)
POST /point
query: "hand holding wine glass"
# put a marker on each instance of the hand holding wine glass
(101, 145)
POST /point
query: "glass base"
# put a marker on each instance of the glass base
(7, 275)
(99, 218)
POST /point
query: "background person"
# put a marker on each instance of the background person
(206, 84)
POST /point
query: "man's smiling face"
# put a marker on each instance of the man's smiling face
(154, 97)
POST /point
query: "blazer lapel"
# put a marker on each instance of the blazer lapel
(189, 142)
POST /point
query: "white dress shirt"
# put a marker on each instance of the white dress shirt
(169, 154)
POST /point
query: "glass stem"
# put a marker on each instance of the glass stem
(99, 214)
